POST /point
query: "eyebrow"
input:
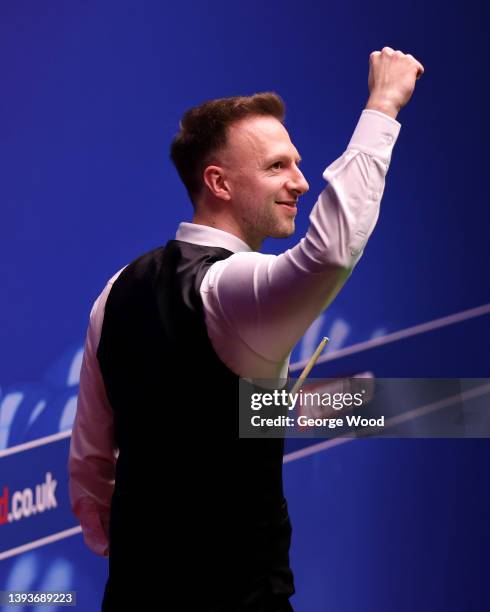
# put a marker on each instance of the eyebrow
(273, 158)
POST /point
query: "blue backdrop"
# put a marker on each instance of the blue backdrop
(92, 93)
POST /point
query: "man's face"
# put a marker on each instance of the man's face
(261, 165)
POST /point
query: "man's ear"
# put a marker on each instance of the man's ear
(215, 181)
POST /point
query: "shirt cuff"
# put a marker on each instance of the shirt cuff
(375, 134)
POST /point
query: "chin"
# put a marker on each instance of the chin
(284, 232)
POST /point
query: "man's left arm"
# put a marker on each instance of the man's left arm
(258, 306)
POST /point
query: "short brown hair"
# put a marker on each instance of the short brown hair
(204, 130)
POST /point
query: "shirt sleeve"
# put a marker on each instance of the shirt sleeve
(258, 306)
(92, 458)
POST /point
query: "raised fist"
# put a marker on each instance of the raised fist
(391, 81)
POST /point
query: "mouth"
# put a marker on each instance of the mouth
(289, 207)
(290, 203)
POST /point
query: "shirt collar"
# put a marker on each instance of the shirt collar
(210, 236)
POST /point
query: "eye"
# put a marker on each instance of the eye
(277, 165)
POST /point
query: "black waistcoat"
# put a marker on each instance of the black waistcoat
(196, 510)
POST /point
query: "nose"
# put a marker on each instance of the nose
(297, 183)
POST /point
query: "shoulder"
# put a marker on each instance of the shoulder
(138, 269)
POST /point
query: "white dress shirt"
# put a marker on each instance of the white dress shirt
(257, 306)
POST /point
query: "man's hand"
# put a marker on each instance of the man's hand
(391, 81)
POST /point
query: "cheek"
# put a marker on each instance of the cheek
(269, 190)
(244, 187)
(255, 194)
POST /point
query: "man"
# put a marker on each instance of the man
(187, 513)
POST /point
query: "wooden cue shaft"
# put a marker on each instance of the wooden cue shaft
(309, 365)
